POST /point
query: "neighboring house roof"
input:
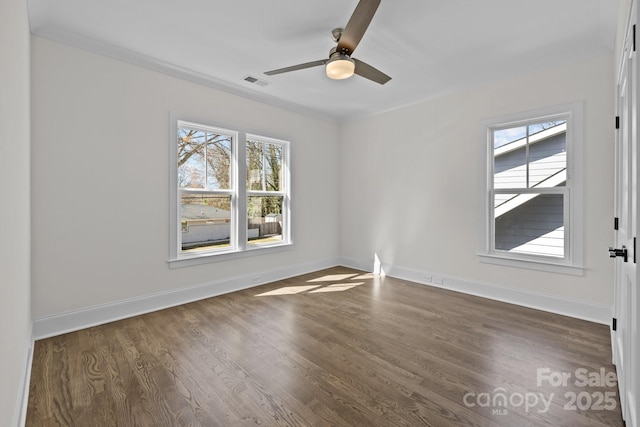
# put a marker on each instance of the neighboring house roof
(203, 212)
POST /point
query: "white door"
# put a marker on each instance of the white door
(626, 304)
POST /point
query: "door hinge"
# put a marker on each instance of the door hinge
(634, 37)
(615, 223)
(617, 122)
(614, 324)
(634, 250)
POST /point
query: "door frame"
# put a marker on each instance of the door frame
(625, 337)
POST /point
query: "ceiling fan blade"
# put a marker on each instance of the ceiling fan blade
(368, 72)
(357, 25)
(297, 67)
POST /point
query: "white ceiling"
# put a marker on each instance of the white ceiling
(428, 47)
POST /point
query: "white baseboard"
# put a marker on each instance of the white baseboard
(22, 399)
(632, 413)
(79, 319)
(565, 306)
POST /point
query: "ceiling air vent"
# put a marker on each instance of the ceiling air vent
(256, 81)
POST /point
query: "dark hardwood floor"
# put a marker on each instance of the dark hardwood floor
(337, 347)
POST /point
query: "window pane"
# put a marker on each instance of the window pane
(264, 219)
(273, 167)
(218, 161)
(254, 165)
(548, 154)
(508, 136)
(264, 166)
(530, 223)
(510, 158)
(191, 165)
(205, 221)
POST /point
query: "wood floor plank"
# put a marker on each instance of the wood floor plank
(337, 347)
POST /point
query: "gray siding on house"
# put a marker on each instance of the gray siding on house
(536, 226)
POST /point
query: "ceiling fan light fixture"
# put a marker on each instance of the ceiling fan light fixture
(340, 67)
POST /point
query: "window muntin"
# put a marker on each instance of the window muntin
(529, 191)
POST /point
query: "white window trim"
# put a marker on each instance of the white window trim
(572, 263)
(239, 247)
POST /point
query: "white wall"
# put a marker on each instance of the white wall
(410, 188)
(15, 317)
(100, 171)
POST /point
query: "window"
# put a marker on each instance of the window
(266, 197)
(532, 198)
(210, 202)
(206, 188)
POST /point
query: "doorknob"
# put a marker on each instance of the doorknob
(618, 252)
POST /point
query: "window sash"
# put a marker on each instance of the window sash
(205, 156)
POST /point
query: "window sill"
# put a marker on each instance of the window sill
(210, 257)
(539, 265)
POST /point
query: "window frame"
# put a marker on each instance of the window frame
(572, 261)
(239, 246)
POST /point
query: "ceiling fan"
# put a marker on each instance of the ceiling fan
(340, 65)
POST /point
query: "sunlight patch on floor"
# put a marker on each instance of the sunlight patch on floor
(314, 289)
(366, 276)
(332, 278)
(338, 287)
(288, 290)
